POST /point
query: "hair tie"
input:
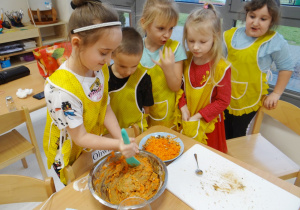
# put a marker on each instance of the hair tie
(73, 5)
(205, 6)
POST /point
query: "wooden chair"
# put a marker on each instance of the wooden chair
(13, 146)
(259, 152)
(19, 189)
(85, 160)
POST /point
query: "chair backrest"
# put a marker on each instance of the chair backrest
(11, 120)
(14, 146)
(18, 189)
(262, 154)
(85, 161)
(286, 113)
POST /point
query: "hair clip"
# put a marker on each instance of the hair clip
(73, 5)
(100, 25)
(205, 6)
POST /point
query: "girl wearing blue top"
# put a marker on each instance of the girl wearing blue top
(162, 58)
(251, 51)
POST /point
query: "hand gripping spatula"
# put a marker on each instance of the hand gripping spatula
(132, 161)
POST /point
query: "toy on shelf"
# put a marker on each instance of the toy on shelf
(41, 12)
(1, 21)
(4, 23)
(43, 17)
(1, 28)
(15, 18)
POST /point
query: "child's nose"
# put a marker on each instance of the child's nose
(107, 59)
(196, 46)
(255, 21)
(167, 34)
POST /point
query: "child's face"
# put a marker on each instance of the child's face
(125, 65)
(158, 33)
(199, 43)
(258, 22)
(97, 54)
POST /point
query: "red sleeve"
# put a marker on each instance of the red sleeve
(220, 98)
(182, 101)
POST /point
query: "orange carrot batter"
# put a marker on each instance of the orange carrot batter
(163, 147)
(117, 181)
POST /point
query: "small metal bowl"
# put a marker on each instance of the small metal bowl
(159, 168)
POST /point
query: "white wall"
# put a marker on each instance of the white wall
(63, 8)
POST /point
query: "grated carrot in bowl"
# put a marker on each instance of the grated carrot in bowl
(117, 181)
(164, 147)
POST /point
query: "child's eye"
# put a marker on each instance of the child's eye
(103, 53)
(252, 16)
(191, 41)
(203, 42)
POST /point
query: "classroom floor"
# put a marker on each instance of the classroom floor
(39, 120)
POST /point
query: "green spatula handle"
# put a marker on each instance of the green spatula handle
(125, 136)
(132, 161)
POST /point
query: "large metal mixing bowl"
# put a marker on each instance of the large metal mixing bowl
(159, 168)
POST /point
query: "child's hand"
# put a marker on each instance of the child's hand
(196, 117)
(185, 113)
(129, 150)
(166, 63)
(271, 101)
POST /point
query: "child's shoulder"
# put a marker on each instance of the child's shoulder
(277, 37)
(275, 44)
(232, 30)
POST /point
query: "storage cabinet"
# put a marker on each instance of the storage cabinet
(41, 34)
(52, 33)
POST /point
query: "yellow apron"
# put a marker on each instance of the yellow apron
(124, 103)
(93, 119)
(248, 82)
(199, 97)
(162, 112)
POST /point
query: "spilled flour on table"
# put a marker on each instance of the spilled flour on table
(81, 184)
(227, 183)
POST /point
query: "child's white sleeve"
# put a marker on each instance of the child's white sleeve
(65, 109)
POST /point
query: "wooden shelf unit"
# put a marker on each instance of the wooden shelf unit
(52, 33)
(41, 34)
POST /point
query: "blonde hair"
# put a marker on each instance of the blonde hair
(204, 19)
(165, 10)
(89, 12)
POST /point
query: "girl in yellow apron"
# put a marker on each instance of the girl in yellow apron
(207, 84)
(162, 58)
(251, 50)
(77, 94)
